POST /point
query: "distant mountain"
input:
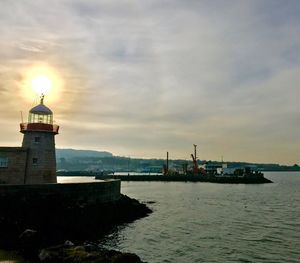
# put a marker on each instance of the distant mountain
(71, 153)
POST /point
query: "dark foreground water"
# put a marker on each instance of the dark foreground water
(204, 222)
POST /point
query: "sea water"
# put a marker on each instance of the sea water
(206, 222)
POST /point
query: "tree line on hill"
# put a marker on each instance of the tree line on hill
(95, 161)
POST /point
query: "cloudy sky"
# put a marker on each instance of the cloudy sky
(145, 77)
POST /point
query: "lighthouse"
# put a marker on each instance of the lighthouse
(39, 140)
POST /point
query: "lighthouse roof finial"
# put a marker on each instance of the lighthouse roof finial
(41, 109)
(42, 98)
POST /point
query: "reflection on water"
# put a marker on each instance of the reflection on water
(76, 179)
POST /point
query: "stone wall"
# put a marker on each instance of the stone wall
(14, 171)
(101, 192)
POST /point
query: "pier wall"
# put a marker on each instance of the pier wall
(13, 164)
(96, 192)
(247, 179)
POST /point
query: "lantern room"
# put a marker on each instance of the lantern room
(40, 114)
(40, 118)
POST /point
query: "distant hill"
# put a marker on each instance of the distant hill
(72, 153)
(83, 160)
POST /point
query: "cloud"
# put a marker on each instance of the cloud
(162, 74)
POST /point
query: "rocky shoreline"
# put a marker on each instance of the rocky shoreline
(28, 226)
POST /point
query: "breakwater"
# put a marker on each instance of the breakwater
(54, 213)
(253, 179)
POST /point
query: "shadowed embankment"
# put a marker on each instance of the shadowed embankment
(53, 220)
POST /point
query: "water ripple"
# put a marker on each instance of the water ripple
(201, 222)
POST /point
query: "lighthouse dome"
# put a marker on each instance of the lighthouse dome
(41, 109)
(40, 114)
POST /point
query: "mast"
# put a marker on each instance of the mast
(195, 150)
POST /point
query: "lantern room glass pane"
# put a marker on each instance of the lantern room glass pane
(40, 118)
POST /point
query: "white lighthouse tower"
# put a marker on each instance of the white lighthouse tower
(39, 139)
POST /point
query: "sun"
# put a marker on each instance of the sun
(41, 85)
(41, 79)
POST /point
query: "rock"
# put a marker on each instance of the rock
(90, 247)
(78, 254)
(56, 219)
(149, 202)
(28, 234)
(69, 243)
(29, 242)
(44, 255)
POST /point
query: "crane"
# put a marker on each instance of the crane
(195, 163)
(166, 166)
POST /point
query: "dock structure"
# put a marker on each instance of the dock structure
(251, 179)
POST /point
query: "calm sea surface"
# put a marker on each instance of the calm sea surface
(205, 222)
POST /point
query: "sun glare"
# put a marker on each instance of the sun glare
(41, 79)
(41, 85)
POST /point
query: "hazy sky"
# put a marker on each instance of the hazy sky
(145, 77)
